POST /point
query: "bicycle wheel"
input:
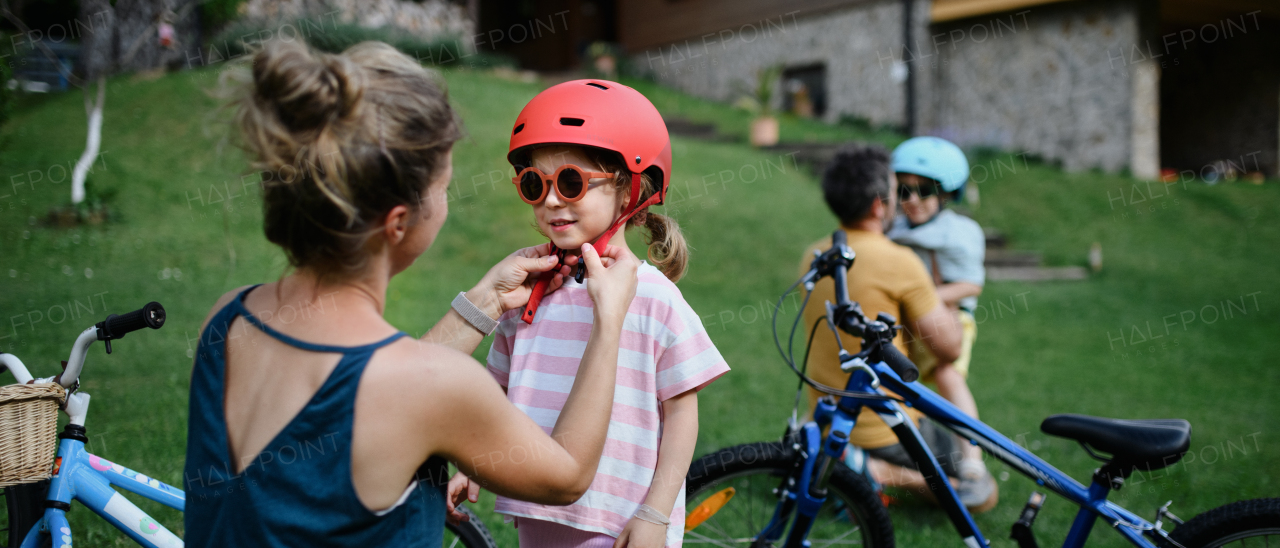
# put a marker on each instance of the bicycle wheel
(852, 516)
(468, 534)
(24, 504)
(1244, 523)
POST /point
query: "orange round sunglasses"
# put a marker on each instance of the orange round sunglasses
(571, 183)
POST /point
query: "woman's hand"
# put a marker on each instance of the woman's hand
(510, 282)
(641, 534)
(612, 287)
(460, 488)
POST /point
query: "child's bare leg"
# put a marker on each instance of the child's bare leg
(977, 489)
(953, 386)
(892, 475)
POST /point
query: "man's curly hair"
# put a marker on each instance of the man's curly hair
(855, 179)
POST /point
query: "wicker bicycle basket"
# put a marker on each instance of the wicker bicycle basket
(28, 426)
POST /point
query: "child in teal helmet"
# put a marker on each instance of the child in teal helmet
(932, 172)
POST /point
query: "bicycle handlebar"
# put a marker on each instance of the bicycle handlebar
(114, 327)
(839, 241)
(877, 336)
(117, 326)
(899, 363)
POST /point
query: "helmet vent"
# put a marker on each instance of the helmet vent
(571, 121)
(518, 129)
(595, 85)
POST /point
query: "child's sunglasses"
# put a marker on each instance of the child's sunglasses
(924, 190)
(571, 183)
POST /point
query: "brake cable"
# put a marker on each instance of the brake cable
(791, 360)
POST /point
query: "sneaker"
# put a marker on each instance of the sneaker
(856, 459)
(977, 489)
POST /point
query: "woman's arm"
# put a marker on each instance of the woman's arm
(679, 437)
(504, 450)
(506, 286)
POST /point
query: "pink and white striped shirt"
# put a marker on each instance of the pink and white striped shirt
(664, 351)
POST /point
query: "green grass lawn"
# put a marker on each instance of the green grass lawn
(187, 229)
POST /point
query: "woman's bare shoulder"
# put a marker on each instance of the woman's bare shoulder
(222, 302)
(416, 365)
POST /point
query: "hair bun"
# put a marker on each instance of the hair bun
(308, 90)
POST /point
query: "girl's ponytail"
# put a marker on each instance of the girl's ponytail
(667, 248)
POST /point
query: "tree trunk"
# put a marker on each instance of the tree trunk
(94, 110)
(97, 55)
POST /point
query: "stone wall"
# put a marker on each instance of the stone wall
(855, 44)
(428, 18)
(1049, 80)
(124, 35)
(1057, 81)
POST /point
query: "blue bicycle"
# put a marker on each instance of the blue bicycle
(798, 493)
(36, 512)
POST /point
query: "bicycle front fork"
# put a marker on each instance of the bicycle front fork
(53, 524)
(810, 492)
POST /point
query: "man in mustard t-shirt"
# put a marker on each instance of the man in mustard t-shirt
(886, 277)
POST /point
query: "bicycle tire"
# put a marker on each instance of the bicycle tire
(715, 471)
(24, 505)
(1230, 523)
(469, 534)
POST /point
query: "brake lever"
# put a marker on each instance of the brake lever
(850, 363)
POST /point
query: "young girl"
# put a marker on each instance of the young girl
(586, 153)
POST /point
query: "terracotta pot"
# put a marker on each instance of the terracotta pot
(607, 65)
(764, 131)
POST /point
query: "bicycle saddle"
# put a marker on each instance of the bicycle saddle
(1143, 444)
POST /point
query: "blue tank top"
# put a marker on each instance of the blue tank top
(298, 491)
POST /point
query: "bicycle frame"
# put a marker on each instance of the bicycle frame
(863, 389)
(88, 478)
(1092, 500)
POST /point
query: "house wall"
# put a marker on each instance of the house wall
(855, 44)
(1057, 81)
(646, 24)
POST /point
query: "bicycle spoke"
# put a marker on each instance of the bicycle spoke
(836, 540)
(726, 534)
(836, 526)
(703, 539)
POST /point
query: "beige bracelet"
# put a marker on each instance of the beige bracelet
(474, 316)
(647, 513)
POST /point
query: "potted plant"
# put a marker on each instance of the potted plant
(764, 128)
(604, 59)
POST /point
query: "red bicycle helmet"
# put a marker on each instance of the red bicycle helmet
(600, 114)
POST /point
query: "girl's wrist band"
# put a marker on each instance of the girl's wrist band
(647, 513)
(474, 316)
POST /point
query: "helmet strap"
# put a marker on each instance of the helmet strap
(636, 186)
(599, 243)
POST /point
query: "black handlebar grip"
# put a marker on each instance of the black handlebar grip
(898, 363)
(838, 238)
(152, 315)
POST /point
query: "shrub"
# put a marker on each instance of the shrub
(241, 37)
